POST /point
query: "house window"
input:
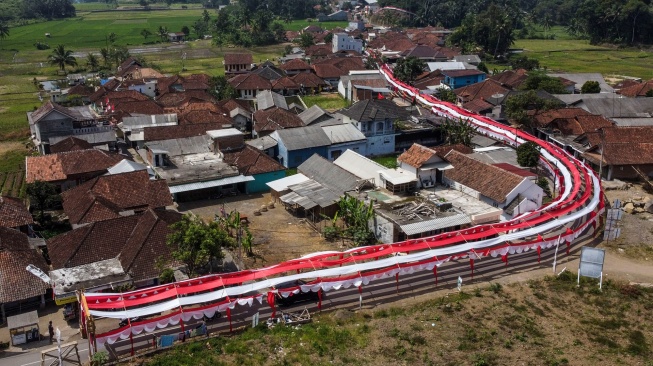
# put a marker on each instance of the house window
(335, 154)
(379, 127)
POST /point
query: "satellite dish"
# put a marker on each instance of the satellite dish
(497, 96)
(36, 271)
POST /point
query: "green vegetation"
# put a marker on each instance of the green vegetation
(528, 154)
(329, 102)
(495, 325)
(458, 132)
(408, 69)
(387, 161)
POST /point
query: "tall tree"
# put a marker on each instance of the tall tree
(146, 33)
(62, 57)
(520, 108)
(408, 69)
(591, 87)
(197, 243)
(163, 33)
(41, 195)
(92, 61)
(306, 40)
(106, 56)
(4, 31)
(458, 132)
(528, 154)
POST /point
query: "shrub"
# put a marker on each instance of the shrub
(331, 232)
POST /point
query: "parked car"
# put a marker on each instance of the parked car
(293, 298)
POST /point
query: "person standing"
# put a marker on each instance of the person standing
(51, 330)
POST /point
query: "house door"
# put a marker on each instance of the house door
(438, 176)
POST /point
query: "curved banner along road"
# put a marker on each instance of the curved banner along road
(559, 222)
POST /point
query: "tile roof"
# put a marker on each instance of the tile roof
(478, 106)
(251, 161)
(459, 73)
(515, 169)
(179, 131)
(443, 150)
(511, 78)
(416, 156)
(17, 284)
(392, 41)
(143, 242)
(543, 119)
(483, 90)
(275, 119)
(318, 50)
(249, 82)
(427, 79)
(344, 64)
(178, 98)
(490, 181)
(147, 107)
(61, 166)
(638, 90)
(114, 97)
(295, 64)
(327, 71)
(48, 107)
(284, 83)
(374, 110)
(107, 196)
(71, 143)
(13, 213)
(231, 104)
(82, 90)
(268, 71)
(420, 51)
(308, 80)
(238, 58)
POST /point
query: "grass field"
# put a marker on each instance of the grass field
(543, 322)
(329, 102)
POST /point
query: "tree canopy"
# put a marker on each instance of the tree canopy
(41, 195)
(540, 81)
(591, 87)
(458, 132)
(62, 57)
(528, 154)
(518, 105)
(197, 243)
(408, 69)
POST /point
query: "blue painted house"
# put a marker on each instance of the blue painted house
(459, 78)
(296, 145)
(255, 163)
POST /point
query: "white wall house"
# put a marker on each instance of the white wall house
(344, 42)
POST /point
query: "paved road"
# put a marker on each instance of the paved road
(376, 293)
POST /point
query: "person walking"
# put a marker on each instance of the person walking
(51, 331)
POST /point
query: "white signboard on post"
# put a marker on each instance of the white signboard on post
(460, 283)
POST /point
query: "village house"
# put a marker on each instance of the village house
(133, 244)
(68, 169)
(52, 123)
(253, 162)
(249, 85)
(14, 215)
(513, 193)
(237, 63)
(272, 119)
(620, 152)
(176, 37)
(18, 287)
(428, 164)
(194, 167)
(114, 195)
(455, 79)
(345, 42)
(375, 119)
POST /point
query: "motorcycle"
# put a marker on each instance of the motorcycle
(124, 321)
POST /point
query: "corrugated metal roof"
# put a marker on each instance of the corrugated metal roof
(398, 176)
(303, 137)
(126, 166)
(293, 198)
(359, 166)
(282, 184)
(210, 184)
(312, 114)
(343, 133)
(183, 146)
(225, 132)
(328, 174)
(316, 192)
(262, 143)
(268, 99)
(435, 224)
(92, 138)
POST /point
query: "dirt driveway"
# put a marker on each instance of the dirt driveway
(278, 235)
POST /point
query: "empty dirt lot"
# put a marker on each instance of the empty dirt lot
(278, 235)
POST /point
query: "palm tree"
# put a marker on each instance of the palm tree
(106, 56)
(4, 30)
(146, 33)
(92, 61)
(458, 132)
(62, 57)
(163, 33)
